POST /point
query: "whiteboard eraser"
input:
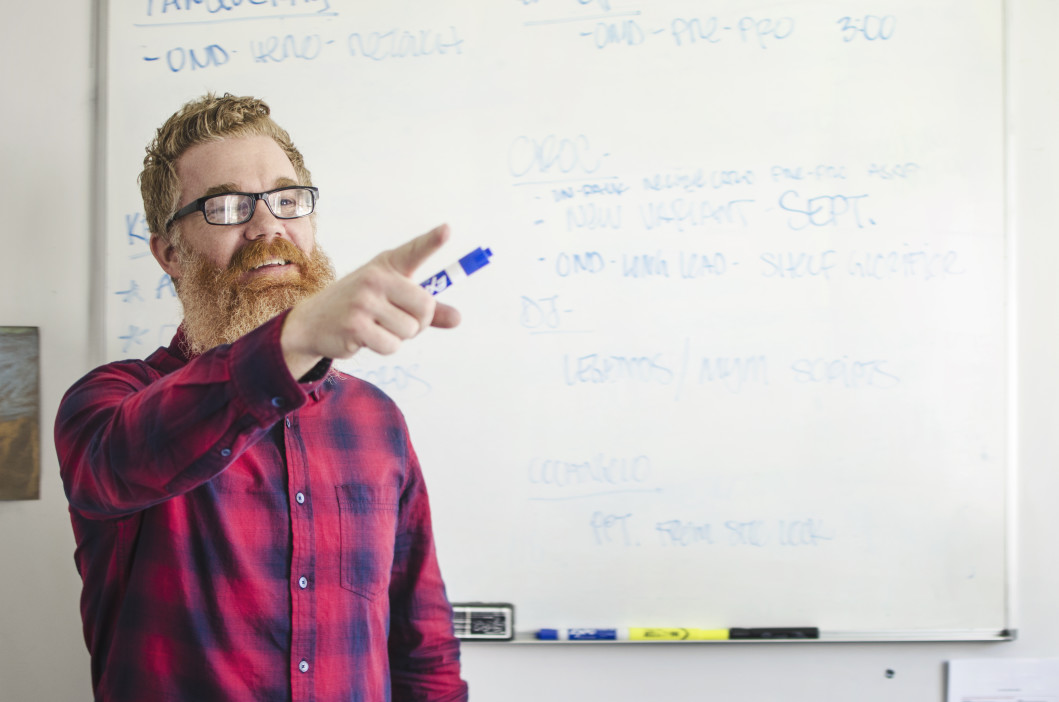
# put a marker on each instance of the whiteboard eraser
(480, 621)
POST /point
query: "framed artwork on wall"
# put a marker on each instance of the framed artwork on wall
(19, 413)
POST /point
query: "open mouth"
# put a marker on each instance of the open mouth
(270, 263)
(267, 260)
(272, 268)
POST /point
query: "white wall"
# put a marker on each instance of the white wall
(46, 270)
(47, 86)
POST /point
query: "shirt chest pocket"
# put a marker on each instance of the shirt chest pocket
(368, 524)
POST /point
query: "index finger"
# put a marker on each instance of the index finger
(407, 257)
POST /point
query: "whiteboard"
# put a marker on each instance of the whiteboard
(741, 356)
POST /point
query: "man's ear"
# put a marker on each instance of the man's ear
(166, 255)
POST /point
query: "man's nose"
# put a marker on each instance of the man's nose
(263, 224)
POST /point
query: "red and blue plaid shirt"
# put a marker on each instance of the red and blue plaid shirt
(244, 536)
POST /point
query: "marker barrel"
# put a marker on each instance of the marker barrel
(794, 632)
(444, 278)
(582, 634)
(680, 634)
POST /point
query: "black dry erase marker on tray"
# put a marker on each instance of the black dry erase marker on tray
(793, 632)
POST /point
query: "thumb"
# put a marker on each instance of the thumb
(407, 257)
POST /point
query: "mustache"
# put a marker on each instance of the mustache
(258, 252)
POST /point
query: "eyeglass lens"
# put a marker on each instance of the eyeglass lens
(236, 208)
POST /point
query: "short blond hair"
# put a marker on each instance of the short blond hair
(209, 118)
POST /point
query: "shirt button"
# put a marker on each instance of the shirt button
(300, 498)
(277, 401)
(304, 666)
(226, 452)
(287, 422)
(303, 582)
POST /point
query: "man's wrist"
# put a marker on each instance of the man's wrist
(300, 362)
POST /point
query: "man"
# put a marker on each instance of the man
(252, 524)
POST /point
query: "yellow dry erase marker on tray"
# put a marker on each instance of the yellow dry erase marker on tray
(664, 634)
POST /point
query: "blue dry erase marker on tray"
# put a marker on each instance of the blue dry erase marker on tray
(581, 634)
(462, 268)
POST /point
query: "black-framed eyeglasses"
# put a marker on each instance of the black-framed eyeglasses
(289, 202)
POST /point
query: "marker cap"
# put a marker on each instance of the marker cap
(475, 260)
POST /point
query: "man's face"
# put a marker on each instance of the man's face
(233, 278)
(250, 164)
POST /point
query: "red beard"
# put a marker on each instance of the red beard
(219, 306)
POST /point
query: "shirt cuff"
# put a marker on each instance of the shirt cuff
(317, 372)
(261, 375)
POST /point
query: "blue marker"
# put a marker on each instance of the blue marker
(462, 268)
(581, 634)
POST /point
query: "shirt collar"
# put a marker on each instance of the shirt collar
(167, 359)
